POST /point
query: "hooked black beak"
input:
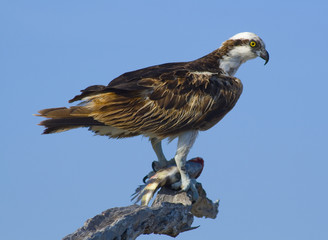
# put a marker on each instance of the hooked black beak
(265, 55)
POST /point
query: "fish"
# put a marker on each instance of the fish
(166, 177)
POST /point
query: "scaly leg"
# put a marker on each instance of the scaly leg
(185, 142)
(161, 163)
(157, 146)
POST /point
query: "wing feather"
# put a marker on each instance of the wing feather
(164, 103)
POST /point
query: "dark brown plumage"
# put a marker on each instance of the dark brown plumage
(160, 101)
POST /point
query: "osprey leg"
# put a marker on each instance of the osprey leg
(157, 146)
(162, 162)
(185, 142)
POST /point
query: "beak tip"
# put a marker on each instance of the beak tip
(265, 55)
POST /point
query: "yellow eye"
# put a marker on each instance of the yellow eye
(252, 44)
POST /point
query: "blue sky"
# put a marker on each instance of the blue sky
(266, 160)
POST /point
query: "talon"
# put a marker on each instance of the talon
(176, 186)
(194, 190)
(144, 180)
(155, 166)
(189, 185)
(149, 175)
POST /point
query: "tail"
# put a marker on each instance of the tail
(166, 176)
(147, 191)
(63, 119)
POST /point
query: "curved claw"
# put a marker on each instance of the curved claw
(149, 175)
(189, 185)
(176, 186)
(193, 189)
(155, 166)
(144, 180)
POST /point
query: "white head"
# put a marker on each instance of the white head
(239, 49)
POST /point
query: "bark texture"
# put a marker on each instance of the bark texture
(171, 213)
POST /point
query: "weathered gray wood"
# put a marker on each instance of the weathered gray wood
(204, 207)
(171, 214)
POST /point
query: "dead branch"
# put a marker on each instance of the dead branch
(170, 214)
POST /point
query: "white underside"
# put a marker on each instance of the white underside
(117, 132)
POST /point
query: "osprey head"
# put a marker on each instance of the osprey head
(239, 49)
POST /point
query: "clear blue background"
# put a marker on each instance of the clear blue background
(266, 161)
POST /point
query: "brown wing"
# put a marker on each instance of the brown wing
(129, 81)
(164, 101)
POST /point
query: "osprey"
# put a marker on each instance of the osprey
(164, 101)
